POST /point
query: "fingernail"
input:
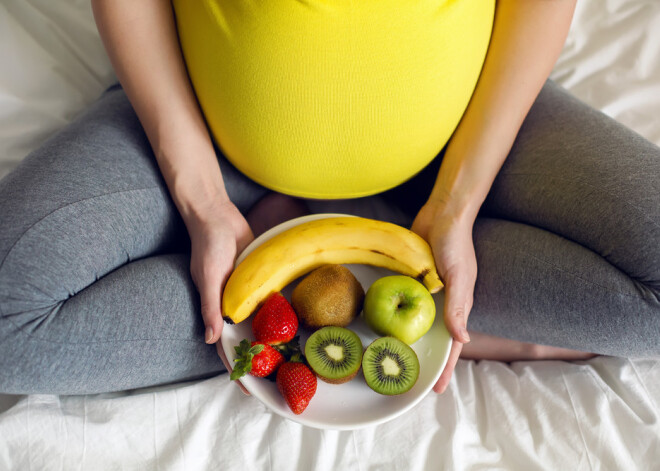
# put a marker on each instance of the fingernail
(209, 334)
(463, 334)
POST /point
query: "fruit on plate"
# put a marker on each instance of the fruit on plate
(297, 384)
(399, 306)
(335, 240)
(256, 358)
(275, 322)
(329, 295)
(334, 354)
(390, 366)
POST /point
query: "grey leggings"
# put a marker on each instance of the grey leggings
(95, 292)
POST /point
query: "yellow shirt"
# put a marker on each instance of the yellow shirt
(333, 98)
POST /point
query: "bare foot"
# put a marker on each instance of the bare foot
(488, 347)
(273, 209)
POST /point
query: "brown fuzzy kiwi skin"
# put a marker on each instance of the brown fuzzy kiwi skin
(343, 380)
(329, 295)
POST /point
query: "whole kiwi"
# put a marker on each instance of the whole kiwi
(329, 295)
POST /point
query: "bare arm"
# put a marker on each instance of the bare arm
(527, 39)
(141, 40)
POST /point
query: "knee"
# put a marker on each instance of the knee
(25, 297)
(26, 348)
(24, 301)
(12, 360)
(33, 276)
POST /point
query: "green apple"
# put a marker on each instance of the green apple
(399, 306)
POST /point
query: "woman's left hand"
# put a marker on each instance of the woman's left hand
(450, 238)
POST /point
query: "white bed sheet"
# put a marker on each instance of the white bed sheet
(600, 414)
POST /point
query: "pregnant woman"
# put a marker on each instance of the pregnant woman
(232, 115)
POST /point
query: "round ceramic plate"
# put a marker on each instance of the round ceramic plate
(350, 405)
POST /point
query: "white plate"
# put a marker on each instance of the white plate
(350, 405)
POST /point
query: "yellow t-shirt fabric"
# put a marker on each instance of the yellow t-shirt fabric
(333, 98)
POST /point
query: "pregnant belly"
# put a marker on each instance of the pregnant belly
(333, 98)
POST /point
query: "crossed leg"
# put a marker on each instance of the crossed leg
(568, 240)
(95, 286)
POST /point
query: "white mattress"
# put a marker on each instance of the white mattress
(600, 414)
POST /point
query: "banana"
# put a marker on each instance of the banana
(335, 240)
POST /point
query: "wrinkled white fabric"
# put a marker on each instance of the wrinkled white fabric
(600, 414)
(52, 64)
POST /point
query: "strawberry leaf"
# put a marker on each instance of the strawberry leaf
(244, 355)
(257, 349)
(290, 349)
(297, 358)
(241, 348)
(239, 371)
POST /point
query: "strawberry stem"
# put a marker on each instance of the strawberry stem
(244, 355)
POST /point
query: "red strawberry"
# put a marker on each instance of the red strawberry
(297, 384)
(256, 358)
(275, 322)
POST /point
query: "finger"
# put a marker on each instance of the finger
(445, 377)
(459, 291)
(218, 344)
(225, 361)
(209, 293)
(217, 325)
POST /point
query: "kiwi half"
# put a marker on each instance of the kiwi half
(390, 366)
(334, 354)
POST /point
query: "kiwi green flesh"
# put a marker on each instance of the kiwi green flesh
(334, 354)
(390, 366)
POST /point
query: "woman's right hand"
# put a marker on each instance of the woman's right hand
(217, 234)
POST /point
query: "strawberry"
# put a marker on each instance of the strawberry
(297, 384)
(275, 321)
(257, 358)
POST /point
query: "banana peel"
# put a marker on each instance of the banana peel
(335, 240)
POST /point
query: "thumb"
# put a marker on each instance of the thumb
(459, 291)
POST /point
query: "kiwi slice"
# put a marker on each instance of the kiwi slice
(334, 354)
(390, 366)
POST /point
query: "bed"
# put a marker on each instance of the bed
(598, 414)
